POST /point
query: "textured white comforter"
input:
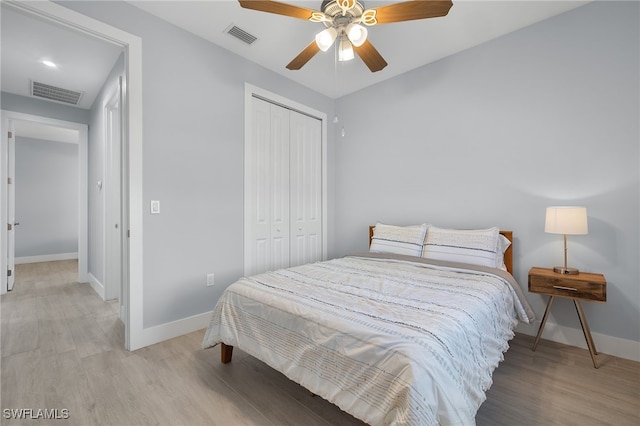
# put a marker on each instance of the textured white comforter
(389, 341)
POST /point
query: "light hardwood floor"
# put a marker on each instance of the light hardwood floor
(62, 349)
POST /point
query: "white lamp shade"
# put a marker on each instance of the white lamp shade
(345, 50)
(357, 34)
(568, 220)
(325, 38)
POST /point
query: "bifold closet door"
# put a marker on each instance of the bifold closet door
(283, 222)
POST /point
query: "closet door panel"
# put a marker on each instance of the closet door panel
(259, 187)
(279, 177)
(306, 189)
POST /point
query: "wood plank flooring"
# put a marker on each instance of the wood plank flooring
(62, 349)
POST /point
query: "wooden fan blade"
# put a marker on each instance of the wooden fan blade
(410, 10)
(370, 56)
(277, 8)
(304, 56)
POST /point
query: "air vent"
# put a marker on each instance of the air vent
(56, 94)
(241, 34)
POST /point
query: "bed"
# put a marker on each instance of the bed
(389, 336)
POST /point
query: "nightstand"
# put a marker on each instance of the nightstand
(584, 286)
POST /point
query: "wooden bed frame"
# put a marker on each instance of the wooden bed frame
(226, 351)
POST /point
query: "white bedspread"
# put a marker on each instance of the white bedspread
(388, 341)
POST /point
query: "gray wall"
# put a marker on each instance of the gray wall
(46, 197)
(492, 136)
(193, 136)
(96, 163)
(33, 106)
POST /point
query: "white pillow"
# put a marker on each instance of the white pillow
(503, 245)
(398, 239)
(475, 246)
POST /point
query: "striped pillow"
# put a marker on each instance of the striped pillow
(477, 246)
(398, 239)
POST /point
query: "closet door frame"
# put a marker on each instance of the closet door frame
(251, 92)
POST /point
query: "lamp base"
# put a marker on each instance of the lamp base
(565, 271)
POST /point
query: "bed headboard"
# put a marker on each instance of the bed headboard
(508, 255)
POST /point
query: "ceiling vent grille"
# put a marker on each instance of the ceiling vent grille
(56, 94)
(241, 34)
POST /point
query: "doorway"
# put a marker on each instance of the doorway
(26, 125)
(131, 126)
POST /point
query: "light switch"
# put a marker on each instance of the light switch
(155, 207)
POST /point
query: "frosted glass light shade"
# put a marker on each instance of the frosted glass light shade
(568, 220)
(325, 38)
(357, 34)
(345, 50)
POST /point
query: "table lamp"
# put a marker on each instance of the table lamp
(566, 220)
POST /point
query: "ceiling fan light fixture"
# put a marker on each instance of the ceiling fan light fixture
(357, 34)
(325, 38)
(345, 50)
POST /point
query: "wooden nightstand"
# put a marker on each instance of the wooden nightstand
(584, 286)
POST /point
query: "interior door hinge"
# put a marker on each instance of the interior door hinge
(9, 272)
(9, 181)
(10, 134)
(128, 233)
(9, 227)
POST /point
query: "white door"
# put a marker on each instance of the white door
(112, 187)
(283, 188)
(267, 215)
(11, 207)
(306, 189)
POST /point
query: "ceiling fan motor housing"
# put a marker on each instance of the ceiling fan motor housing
(332, 8)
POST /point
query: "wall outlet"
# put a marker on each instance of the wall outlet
(210, 280)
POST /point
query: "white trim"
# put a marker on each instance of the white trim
(96, 286)
(3, 210)
(169, 330)
(249, 91)
(605, 344)
(83, 208)
(46, 258)
(133, 282)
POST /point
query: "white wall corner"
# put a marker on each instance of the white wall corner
(96, 285)
(605, 344)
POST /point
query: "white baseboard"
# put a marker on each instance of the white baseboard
(46, 258)
(96, 285)
(610, 345)
(162, 332)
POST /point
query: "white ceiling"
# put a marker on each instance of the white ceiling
(404, 45)
(84, 63)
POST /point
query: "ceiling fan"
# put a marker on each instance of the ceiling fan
(342, 20)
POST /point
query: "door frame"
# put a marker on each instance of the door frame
(82, 129)
(132, 201)
(251, 91)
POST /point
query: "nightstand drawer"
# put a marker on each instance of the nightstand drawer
(579, 287)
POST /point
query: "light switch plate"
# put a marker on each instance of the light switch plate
(155, 207)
